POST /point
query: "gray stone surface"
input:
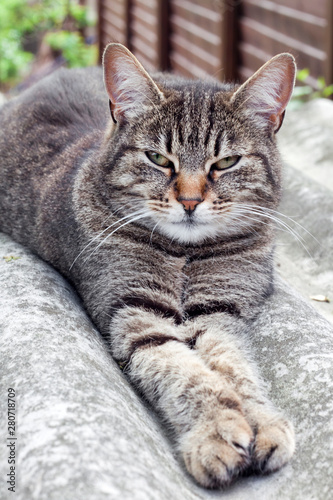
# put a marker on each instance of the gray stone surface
(84, 433)
(305, 260)
(305, 140)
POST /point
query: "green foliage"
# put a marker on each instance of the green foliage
(13, 58)
(73, 48)
(20, 19)
(305, 92)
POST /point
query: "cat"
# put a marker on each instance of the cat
(158, 209)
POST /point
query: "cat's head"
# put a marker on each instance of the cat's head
(194, 159)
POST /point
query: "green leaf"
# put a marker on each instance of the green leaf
(321, 82)
(328, 91)
(302, 74)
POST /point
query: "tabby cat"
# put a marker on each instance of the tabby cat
(160, 215)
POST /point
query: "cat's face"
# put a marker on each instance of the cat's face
(194, 162)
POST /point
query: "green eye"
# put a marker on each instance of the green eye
(227, 162)
(158, 159)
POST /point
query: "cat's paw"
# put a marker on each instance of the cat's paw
(217, 449)
(274, 444)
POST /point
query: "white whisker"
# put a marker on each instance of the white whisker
(280, 214)
(151, 235)
(141, 216)
(102, 232)
(244, 210)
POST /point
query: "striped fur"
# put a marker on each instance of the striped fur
(172, 264)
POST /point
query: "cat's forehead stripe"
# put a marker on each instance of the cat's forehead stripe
(168, 141)
(217, 144)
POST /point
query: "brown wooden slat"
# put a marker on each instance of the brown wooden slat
(252, 56)
(314, 7)
(192, 58)
(150, 5)
(112, 25)
(306, 32)
(274, 36)
(163, 34)
(200, 33)
(273, 47)
(199, 54)
(111, 34)
(147, 35)
(199, 10)
(221, 37)
(200, 17)
(145, 48)
(144, 31)
(117, 8)
(142, 24)
(288, 11)
(229, 52)
(198, 39)
(146, 63)
(118, 23)
(329, 44)
(142, 16)
(209, 27)
(185, 67)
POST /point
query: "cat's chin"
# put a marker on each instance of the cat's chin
(188, 233)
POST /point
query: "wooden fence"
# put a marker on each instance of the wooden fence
(228, 39)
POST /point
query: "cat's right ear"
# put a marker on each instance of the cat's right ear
(130, 88)
(266, 94)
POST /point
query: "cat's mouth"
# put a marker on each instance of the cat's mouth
(188, 230)
(190, 221)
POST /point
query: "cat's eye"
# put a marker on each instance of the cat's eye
(159, 159)
(227, 162)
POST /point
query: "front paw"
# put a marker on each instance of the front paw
(274, 444)
(218, 448)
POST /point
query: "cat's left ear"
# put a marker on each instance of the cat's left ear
(130, 88)
(267, 93)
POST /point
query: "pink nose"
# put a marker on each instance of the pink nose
(189, 204)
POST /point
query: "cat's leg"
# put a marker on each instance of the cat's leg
(224, 351)
(201, 407)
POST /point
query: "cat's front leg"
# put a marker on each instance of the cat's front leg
(202, 409)
(224, 351)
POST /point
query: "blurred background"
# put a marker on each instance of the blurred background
(227, 39)
(39, 36)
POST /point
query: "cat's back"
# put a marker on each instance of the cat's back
(45, 133)
(67, 98)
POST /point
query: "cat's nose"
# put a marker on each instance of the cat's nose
(189, 204)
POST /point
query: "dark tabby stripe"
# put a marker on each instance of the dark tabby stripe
(122, 150)
(168, 144)
(192, 341)
(180, 135)
(211, 122)
(217, 143)
(148, 305)
(151, 341)
(196, 310)
(267, 166)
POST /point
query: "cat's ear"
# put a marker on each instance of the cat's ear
(130, 88)
(267, 93)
